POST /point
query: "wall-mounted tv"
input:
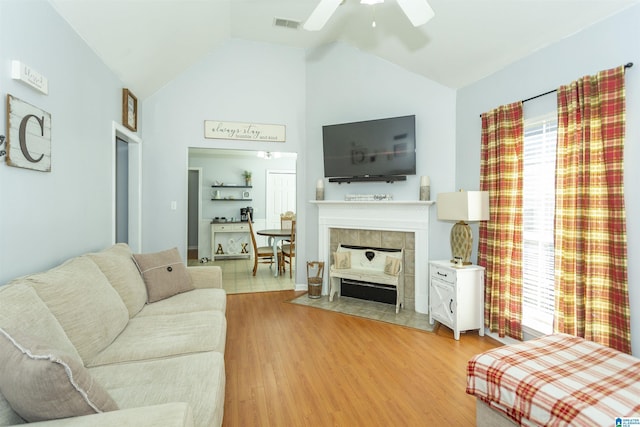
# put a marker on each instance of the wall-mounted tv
(372, 150)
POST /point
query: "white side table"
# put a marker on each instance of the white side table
(456, 296)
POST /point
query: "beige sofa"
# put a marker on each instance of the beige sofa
(145, 364)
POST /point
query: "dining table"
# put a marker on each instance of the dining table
(275, 235)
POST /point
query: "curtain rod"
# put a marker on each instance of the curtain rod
(627, 65)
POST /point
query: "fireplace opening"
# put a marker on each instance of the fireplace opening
(368, 291)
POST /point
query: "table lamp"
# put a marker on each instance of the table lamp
(463, 207)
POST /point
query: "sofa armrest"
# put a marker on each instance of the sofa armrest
(206, 276)
(176, 414)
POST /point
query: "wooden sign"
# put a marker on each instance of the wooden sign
(29, 137)
(26, 74)
(244, 131)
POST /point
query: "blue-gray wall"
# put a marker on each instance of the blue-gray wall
(346, 85)
(46, 218)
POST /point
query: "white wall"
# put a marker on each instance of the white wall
(46, 218)
(606, 45)
(346, 85)
(240, 81)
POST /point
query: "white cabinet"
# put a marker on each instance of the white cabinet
(236, 245)
(456, 296)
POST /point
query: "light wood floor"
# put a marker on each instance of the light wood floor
(290, 365)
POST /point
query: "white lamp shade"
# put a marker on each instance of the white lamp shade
(463, 206)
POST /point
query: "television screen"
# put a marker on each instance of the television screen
(371, 148)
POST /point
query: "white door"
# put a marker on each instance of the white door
(281, 195)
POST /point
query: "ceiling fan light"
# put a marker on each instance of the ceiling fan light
(419, 12)
(371, 2)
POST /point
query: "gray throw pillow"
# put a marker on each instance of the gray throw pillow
(164, 274)
(41, 383)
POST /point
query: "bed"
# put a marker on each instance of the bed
(558, 380)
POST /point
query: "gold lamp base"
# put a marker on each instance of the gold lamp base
(461, 242)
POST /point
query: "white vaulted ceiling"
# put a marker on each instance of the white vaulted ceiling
(147, 43)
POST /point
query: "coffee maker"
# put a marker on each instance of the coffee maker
(244, 212)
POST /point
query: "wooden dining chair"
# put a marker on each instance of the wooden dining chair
(261, 254)
(289, 249)
(286, 218)
(287, 221)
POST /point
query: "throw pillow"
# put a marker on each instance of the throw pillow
(392, 266)
(164, 274)
(43, 384)
(342, 260)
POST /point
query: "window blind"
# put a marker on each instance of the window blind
(538, 203)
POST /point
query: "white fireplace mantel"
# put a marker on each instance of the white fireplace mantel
(405, 216)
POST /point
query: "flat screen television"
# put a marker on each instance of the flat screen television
(372, 150)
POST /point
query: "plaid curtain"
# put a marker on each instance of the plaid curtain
(500, 242)
(590, 226)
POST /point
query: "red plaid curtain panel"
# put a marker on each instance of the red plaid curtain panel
(591, 298)
(500, 238)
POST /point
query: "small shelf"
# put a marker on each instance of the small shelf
(231, 200)
(231, 186)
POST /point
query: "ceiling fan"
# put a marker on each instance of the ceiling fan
(419, 12)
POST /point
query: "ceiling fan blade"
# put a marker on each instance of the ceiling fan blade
(321, 14)
(418, 11)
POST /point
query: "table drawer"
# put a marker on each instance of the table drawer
(229, 228)
(443, 274)
(222, 227)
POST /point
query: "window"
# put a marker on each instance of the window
(538, 200)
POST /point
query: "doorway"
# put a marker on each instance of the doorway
(225, 167)
(122, 191)
(126, 162)
(194, 196)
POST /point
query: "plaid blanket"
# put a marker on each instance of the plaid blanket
(557, 380)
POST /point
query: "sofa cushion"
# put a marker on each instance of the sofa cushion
(174, 414)
(42, 383)
(154, 337)
(116, 264)
(89, 309)
(8, 416)
(22, 309)
(188, 302)
(205, 276)
(164, 274)
(198, 379)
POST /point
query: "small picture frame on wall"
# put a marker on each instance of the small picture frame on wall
(129, 110)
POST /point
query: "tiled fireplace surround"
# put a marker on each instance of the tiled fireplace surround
(381, 224)
(383, 239)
